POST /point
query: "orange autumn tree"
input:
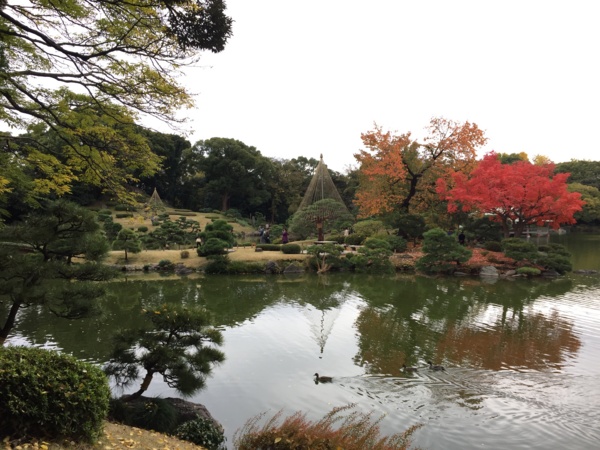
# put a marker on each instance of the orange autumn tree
(398, 173)
(516, 195)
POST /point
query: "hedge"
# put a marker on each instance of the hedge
(51, 395)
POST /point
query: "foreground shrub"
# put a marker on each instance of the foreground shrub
(357, 431)
(217, 264)
(291, 249)
(47, 394)
(202, 432)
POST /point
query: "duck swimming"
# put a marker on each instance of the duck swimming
(432, 367)
(323, 379)
(409, 369)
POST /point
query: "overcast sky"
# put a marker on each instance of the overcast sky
(305, 78)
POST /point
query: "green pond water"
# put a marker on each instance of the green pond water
(522, 356)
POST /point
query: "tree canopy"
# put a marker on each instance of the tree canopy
(87, 69)
(399, 173)
(517, 195)
(235, 174)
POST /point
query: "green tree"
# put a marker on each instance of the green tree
(85, 70)
(234, 174)
(178, 343)
(169, 181)
(581, 171)
(36, 268)
(590, 212)
(127, 240)
(442, 253)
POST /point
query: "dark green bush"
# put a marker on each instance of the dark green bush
(202, 432)
(291, 249)
(339, 238)
(217, 264)
(47, 394)
(269, 247)
(397, 243)
(123, 215)
(493, 246)
(519, 249)
(241, 267)
(529, 271)
(142, 229)
(105, 212)
(165, 264)
(441, 253)
(124, 208)
(213, 246)
(354, 239)
(554, 261)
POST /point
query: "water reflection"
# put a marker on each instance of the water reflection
(521, 355)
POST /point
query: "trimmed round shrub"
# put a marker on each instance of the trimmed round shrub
(51, 395)
(555, 261)
(123, 215)
(213, 246)
(397, 243)
(493, 246)
(184, 254)
(354, 239)
(374, 243)
(291, 249)
(202, 432)
(142, 229)
(519, 249)
(165, 264)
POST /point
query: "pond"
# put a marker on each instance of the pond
(522, 357)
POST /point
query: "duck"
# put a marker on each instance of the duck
(409, 369)
(323, 379)
(432, 367)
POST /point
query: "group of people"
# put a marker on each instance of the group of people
(265, 235)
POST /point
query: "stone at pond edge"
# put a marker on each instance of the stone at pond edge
(186, 411)
(293, 268)
(271, 267)
(489, 271)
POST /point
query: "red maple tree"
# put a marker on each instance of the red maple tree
(516, 195)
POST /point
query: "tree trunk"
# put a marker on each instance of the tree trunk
(224, 202)
(143, 388)
(10, 321)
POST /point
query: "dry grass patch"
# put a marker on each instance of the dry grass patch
(246, 254)
(116, 437)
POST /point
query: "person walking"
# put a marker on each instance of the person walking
(284, 236)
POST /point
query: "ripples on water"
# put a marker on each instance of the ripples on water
(533, 400)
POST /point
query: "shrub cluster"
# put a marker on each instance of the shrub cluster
(50, 395)
(202, 432)
(291, 249)
(493, 246)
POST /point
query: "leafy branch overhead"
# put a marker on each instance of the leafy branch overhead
(87, 69)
